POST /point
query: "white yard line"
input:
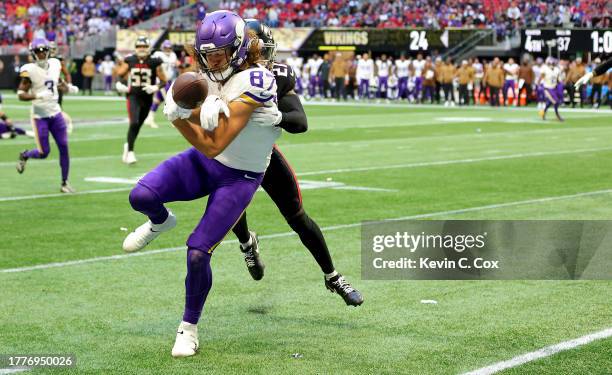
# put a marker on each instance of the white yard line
(325, 229)
(345, 170)
(542, 353)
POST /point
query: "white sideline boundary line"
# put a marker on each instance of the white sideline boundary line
(13, 370)
(325, 229)
(347, 170)
(542, 353)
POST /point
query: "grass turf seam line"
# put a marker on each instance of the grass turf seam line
(542, 353)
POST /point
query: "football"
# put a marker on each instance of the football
(189, 90)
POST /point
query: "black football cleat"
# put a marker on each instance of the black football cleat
(21, 163)
(251, 258)
(339, 285)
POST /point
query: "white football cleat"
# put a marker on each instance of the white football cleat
(186, 343)
(125, 152)
(131, 158)
(150, 120)
(146, 233)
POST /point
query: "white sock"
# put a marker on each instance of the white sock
(247, 244)
(330, 275)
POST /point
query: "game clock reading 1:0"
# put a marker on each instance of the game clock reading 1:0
(602, 41)
(567, 40)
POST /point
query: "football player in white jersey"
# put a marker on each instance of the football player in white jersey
(418, 64)
(296, 62)
(365, 73)
(511, 69)
(233, 133)
(40, 84)
(549, 78)
(106, 68)
(383, 66)
(402, 71)
(169, 65)
(312, 66)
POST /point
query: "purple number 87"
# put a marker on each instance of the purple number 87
(257, 78)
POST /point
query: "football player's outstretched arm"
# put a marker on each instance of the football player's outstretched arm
(294, 118)
(65, 72)
(213, 143)
(161, 75)
(122, 69)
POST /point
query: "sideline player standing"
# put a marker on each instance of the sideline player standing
(40, 84)
(142, 70)
(402, 68)
(365, 73)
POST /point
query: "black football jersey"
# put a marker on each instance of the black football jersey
(285, 79)
(142, 72)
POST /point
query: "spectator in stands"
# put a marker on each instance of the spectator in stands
(88, 71)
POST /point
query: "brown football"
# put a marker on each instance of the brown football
(189, 90)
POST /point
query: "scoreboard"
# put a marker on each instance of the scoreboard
(567, 40)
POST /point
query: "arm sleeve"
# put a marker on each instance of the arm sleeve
(602, 68)
(294, 118)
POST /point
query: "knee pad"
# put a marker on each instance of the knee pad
(141, 198)
(197, 258)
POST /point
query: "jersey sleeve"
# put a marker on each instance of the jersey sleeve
(24, 71)
(285, 79)
(256, 86)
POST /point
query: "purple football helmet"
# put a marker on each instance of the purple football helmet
(37, 46)
(166, 45)
(222, 31)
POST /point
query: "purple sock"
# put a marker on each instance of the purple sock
(197, 284)
(154, 106)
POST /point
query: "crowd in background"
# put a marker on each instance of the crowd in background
(498, 14)
(64, 20)
(437, 80)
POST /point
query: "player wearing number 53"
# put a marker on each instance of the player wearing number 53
(232, 134)
(143, 71)
(40, 83)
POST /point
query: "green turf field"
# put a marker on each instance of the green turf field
(119, 315)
